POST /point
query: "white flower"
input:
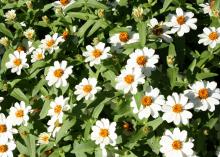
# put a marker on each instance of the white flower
(129, 79)
(63, 3)
(26, 46)
(210, 36)
(103, 133)
(6, 130)
(160, 30)
(29, 33)
(109, 154)
(150, 103)
(37, 55)
(44, 138)
(87, 88)
(182, 22)
(59, 105)
(6, 147)
(1, 99)
(95, 54)
(17, 62)
(206, 8)
(54, 126)
(19, 114)
(176, 109)
(58, 74)
(144, 59)
(4, 41)
(124, 37)
(204, 94)
(175, 144)
(50, 43)
(10, 15)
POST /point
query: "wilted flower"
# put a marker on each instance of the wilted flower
(29, 33)
(4, 41)
(138, 12)
(10, 15)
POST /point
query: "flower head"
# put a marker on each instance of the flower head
(10, 15)
(38, 55)
(44, 138)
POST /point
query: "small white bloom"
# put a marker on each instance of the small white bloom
(206, 8)
(58, 74)
(122, 38)
(23, 24)
(129, 79)
(43, 138)
(176, 109)
(37, 55)
(1, 99)
(26, 46)
(10, 15)
(17, 62)
(63, 3)
(95, 54)
(29, 33)
(59, 105)
(160, 30)
(210, 36)
(19, 114)
(204, 94)
(87, 88)
(182, 22)
(54, 126)
(4, 41)
(103, 133)
(144, 59)
(50, 43)
(150, 103)
(138, 12)
(175, 144)
(6, 147)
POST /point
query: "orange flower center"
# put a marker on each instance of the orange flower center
(123, 36)
(65, 34)
(146, 100)
(64, 2)
(39, 56)
(19, 113)
(103, 132)
(3, 148)
(157, 30)
(181, 20)
(177, 145)
(3, 128)
(58, 73)
(213, 36)
(141, 60)
(20, 48)
(203, 93)
(97, 53)
(50, 42)
(177, 108)
(129, 79)
(58, 109)
(17, 62)
(87, 88)
(45, 138)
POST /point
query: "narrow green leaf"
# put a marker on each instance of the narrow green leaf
(99, 107)
(96, 26)
(172, 75)
(5, 31)
(96, 4)
(172, 51)
(19, 95)
(142, 33)
(192, 65)
(21, 148)
(166, 4)
(45, 109)
(38, 86)
(201, 76)
(85, 27)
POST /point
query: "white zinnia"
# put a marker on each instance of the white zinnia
(10, 15)
(182, 22)
(58, 74)
(103, 133)
(63, 3)
(95, 54)
(145, 59)
(43, 138)
(175, 144)
(37, 55)
(210, 36)
(149, 105)
(204, 94)
(17, 62)
(206, 8)
(29, 33)
(129, 79)
(87, 88)
(176, 109)
(6, 147)
(54, 126)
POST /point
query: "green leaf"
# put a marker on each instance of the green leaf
(204, 75)
(154, 143)
(85, 27)
(5, 31)
(172, 51)
(99, 107)
(192, 65)
(96, 26)
(21, 148)
(45, 109)
(166, 4)
(47, 7)
(83, 16)
(142, 33)
(172, 75)
(96, 4)
(155, 123)
(38, 86)
(5, 59)
(82, 147)
(19, 95)
(211, 123)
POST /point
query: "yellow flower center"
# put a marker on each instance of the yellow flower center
(177, 144)
(141, 60)
(50, 42)
(58, 109)
(45, 138)
(103, 132)
(65, 34)
(213, 36)
(123, 36)
(19, 113)
(3, 128)
(177, 108)
(58, 73)
(203, 93)
(146, 100)
(3, 148)
(129, 79)
(17, 62)
(87, 88)
(39, 56)
(97, 53)
(181, 20)
(64, 2)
